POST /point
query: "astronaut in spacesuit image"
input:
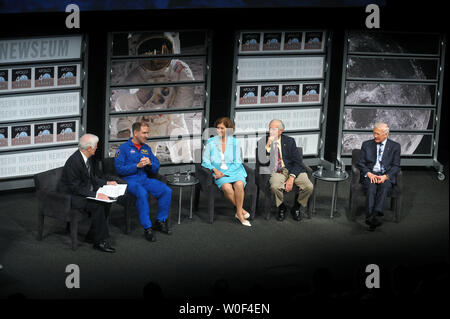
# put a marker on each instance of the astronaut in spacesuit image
(158, 70)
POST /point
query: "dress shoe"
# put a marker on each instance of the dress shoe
(373, 223)
(281, 212)
(163, 227)
(376, 222)
(246, 215)
(296, 212)
(148, 234)
(104, 246)
(245, 223)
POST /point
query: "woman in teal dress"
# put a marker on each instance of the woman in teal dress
(222, 156)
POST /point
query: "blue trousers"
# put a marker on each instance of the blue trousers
(141, 187)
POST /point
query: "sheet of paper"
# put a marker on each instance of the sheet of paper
(102, 200)
(113, 191)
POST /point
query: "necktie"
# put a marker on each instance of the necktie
(279, 166)
(380, 155)
(89, 172)
(88, 167)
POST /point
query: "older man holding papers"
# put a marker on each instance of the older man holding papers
(78, 179)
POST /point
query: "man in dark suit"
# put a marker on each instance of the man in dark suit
(286, 168)
(379, 164)
(78, 179)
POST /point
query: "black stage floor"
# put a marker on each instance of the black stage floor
(272, 260)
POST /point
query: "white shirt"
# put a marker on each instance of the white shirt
(223, 165)
(84, 157)
(377, 167)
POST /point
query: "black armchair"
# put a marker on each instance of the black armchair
(262, 183)
(51, 203)
(128, 200)
(206, 185)
(357, 190)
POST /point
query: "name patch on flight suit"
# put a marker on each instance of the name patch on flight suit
(132, 151)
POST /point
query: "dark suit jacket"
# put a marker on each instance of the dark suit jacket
(390, 159)
(290, 155)
(75, 180)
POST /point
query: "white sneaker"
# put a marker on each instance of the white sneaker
(245, 223)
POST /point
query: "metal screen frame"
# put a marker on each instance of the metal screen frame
(312, 160)
(165, 168)
(427, 160)
(26, 180)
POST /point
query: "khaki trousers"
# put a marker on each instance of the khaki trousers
(277, 186)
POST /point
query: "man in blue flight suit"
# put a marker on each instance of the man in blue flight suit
(134, 160)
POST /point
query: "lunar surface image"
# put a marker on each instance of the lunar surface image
(397, 119)
(388, 102)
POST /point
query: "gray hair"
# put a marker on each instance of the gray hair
(383, 126)
(280, 123)
(87, 140)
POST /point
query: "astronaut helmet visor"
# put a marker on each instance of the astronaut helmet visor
(156, 46)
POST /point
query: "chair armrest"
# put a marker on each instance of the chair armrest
(399, 181)
(250, 174)
(204, 175)
(159, 177)
(355, 174)
(309, 170)
(54, 202)
(263, 181)
(126, 199)
(162, 178)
